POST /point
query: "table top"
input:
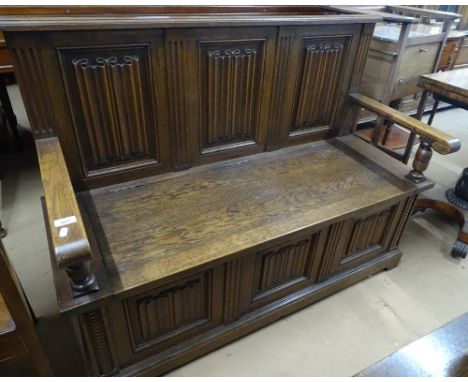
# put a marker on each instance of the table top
(452, 84)
(391, 32)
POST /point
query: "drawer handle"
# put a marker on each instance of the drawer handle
(423, 50)
(402, 81)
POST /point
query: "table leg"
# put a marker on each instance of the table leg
(460, 248)
(433, 111)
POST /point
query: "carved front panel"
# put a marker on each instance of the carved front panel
(283, 265)
(367, 233)
(318, 83)
(231, 74)
(355, 241)
(274, 273)
(172, 311)
(109, 92)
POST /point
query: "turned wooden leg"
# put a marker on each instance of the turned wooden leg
(83, 281)
(421, 162)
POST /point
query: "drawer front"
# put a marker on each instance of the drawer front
(449, 54)
(167, 316)
(416, 60)
(462, 57)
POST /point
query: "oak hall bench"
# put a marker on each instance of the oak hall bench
(199, 174)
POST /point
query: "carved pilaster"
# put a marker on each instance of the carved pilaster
(361, 57)
(97, 343)
(279, 84)
(177, 71)
(350, 118)
(233, 290)
(31, 80)
(332, 250)
(403, 220)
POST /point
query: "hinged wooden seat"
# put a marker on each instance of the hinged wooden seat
(151, 229)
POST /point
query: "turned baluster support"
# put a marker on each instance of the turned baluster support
(83, 280)
(421, 162)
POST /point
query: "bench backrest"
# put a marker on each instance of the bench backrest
(146, 97)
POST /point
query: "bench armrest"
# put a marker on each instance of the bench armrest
(430, 137)
(68, 235)
(441, 142)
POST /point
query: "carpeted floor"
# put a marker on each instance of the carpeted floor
(338, 336)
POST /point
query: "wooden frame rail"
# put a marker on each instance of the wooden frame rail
(430, 137)
(421, 12)
(68, 235)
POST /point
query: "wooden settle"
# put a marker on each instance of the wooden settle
(199, 173)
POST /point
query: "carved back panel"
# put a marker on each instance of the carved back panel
(318, 66)
(231, 76)
(107, 89)
(321, 67)
(230, 81)
(133, 103)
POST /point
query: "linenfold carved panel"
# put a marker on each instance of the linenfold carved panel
(283, 265)
(168, 312)
(231, 81)
(318, 84)
(110, 99)
(368, 232)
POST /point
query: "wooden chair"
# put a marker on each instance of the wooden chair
(18, 339)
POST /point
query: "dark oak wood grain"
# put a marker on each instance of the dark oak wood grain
(229, 208)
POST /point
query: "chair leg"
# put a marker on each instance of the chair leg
(10, 115)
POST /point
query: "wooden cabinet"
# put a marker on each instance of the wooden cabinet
(416, 60)
(462, 58)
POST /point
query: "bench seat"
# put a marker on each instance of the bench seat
(157, 227)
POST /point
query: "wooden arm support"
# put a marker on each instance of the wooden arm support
(431, 138)
(68, 235)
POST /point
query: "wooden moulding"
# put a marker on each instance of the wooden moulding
(170, 17)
